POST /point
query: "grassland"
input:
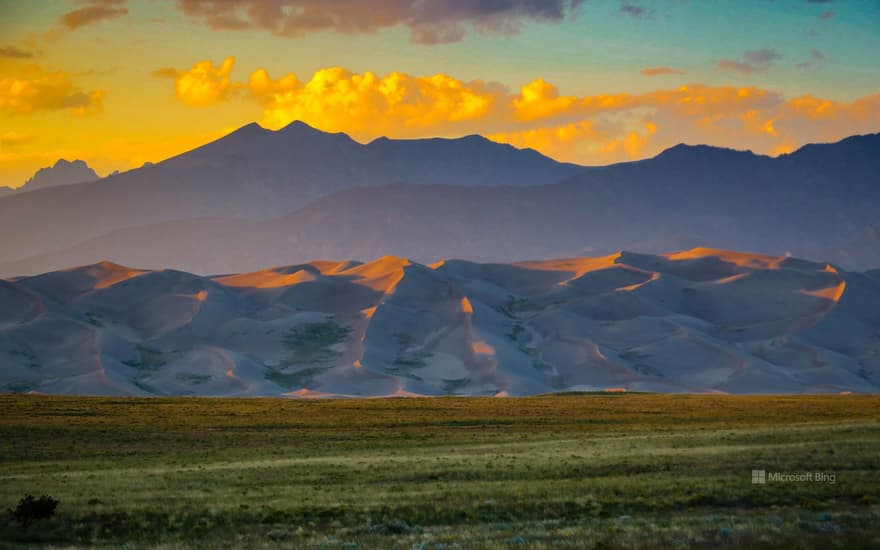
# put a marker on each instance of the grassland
(609, 471)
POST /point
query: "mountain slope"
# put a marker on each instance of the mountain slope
(694, 321)
(254, 173)
(819, 202)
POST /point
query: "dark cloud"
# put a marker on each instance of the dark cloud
(434, 22)
(753, 61)
(93, 12)
(166, 72)
(633, 9)
(817, 58)
(15, 53)
(659, 71)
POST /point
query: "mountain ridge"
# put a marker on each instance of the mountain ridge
(252, 173)
(819, 202)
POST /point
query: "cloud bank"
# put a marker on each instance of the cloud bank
(434, 22)
(592, 129)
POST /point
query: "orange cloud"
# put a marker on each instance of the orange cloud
(36, 90)
(566, 140)
(658, 71)
(366, 105)
(203, 84)
(593, 129)
(540, 100)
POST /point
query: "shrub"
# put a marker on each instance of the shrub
(31, 509)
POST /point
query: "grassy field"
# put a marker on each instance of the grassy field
(580, 470)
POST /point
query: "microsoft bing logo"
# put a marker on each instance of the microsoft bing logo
(759, 477)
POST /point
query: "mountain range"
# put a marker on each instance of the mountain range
(701, 320)
(257, 198)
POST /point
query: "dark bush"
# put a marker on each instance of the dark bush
(31, 509)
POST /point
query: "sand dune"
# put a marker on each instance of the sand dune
(700, 320)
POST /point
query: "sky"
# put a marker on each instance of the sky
(118, 83)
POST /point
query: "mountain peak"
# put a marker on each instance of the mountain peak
(64, 163)
(252, 127)
(63, 172)
(685, 151)
(299, 125)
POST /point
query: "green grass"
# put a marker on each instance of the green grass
(575, 470)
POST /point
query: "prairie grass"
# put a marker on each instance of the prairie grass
(568, 470)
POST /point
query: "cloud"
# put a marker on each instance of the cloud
(817, 58)
(36, 90)
(434, 22)
(588, 129)
(539, 100)
(659, 71)
(203, 84)
(753, 61)
(636, 126)
(14, 52)
(166, 72)
(12, 139)
(367, 105)
(93, 12)
(633, 10)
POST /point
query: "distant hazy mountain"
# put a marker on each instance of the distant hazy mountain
(695, 321)
(63, 172)
(255, 173)
(821, 201)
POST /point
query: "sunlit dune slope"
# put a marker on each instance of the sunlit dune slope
(700, 320)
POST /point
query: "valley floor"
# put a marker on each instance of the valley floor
(571, 470)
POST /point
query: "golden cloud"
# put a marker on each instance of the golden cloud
(594, 129)
(36, 90)
(540, 100)
(204, 84)
(366, 105)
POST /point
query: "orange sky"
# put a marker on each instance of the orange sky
(119, 83)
